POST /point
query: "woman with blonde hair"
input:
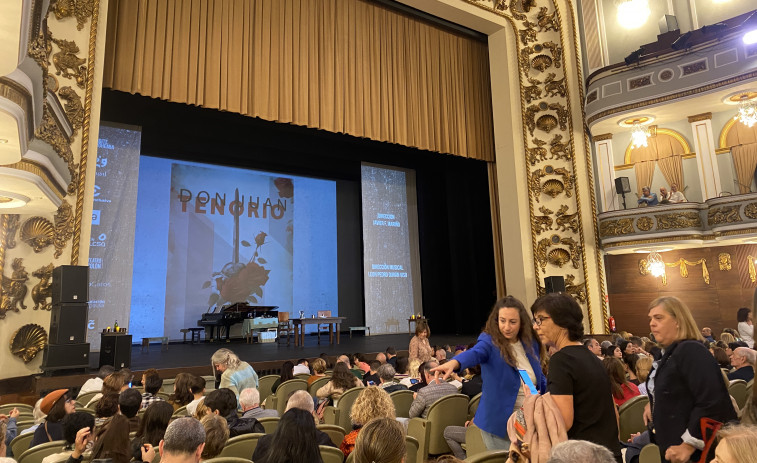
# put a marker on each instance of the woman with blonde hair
(382, 440)
(687, 384)
(319, 370)
(643, 367)
(372, 402)
(727, 337)
(413, 374)
(235, 374)
(737, 444)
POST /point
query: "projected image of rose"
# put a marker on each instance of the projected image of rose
(238, 282)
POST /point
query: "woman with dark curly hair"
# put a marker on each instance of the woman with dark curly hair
(745, 326)
(342, 379)
(294, 440)
(578, 383)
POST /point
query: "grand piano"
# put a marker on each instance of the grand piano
(233, 314)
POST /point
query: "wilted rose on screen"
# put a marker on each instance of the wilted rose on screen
(248, 281)
(285, 187)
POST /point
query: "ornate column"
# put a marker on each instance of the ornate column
(606, 168)
(707, 164)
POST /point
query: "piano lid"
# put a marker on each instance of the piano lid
(243, 307)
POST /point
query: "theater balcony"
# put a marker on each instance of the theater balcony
(716, 222)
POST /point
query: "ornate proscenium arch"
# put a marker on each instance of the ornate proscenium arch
(550, 146)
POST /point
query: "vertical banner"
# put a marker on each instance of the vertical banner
(113, 219)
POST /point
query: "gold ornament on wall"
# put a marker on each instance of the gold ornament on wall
(13, 289)
(532, 92)
(28, 341)
(50, 132)
(64, 227)
(562, 114)
(529, 118)
(80, 9)
(750, 266)
(678, 220)
(537, 154)
(723, 215)
(555, 87)
(724, 261)
(536, 177)
(644, 223)
(38, 232)
(11, 225)
(543, 222)
(558, 257)
(578, 291)
(541, 62)
(43, 290)
(547, 122)
(558, 149)
(73, 108)
(565, 221)
(545, 21)
(67, 64)
(683, 269)
(610, 228)
(750, 210)
(556, 52)
(553, 187)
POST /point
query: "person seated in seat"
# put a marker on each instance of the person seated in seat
(96, 384)
(216, 435)
(223, 402)
(435, 390)
(129, 403)
(287, 373)
(304, 401)
(580, 451)
(55, 405)
(182, 391)
(302, 367)
(197, 386)
(249, 400)
(294, 440)
(319, 370)
(152, 383)
(675, 195)
(743, 360)
(341, 380)
(391, 356)
(152, 426)
(386, 379)
(648, 198)
(359, 361)
(664, 195)
(72, 424)
(643, 367)
(114, 383)
(622, 389)
(184, 442)
(373, 365)
(381, 440)
(111, 431)
(372, 402)
(474, 384)
(381, 358)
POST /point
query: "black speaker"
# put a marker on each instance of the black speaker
(115, 350)
(68, 323)
(65, 356)
(70, 283)
(554, 284)
(622, 185)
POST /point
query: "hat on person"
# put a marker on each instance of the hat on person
(50, 399)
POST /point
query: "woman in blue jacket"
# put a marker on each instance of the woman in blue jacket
(508, 343)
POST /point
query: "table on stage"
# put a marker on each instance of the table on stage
(415, 320)
(299, 327)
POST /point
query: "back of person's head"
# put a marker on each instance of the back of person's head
(742, 314)
(430, 365)
(294, 439)
(564, 311)
(114, 383)
(319, 366)
(749, 355)
(73, 422)
(107, 406)
(342, 377)
(302, 400)
(105, 371)
(374, 365)
(153, 423)
(372, 402)
(302, 361)
(216, 435)
(183, 437)
(636, 341)
(643, 367)
(249, 397)
(386, 372)
(741, 443)
(223, 400)
(129, 402)
(720, 356)
(391, 351)
(727, 338)
(226, 358)
(153, 382)
(630, 361)
(475, 370)
(580, 451)
(344, 358)
(38, 414)
(197, 384)
(287, 371)
(381, 440)
(413, 368)
(326, 358)
(614, 368)
(182, 389)
(402, 365)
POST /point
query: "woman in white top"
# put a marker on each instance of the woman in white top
(746, 328)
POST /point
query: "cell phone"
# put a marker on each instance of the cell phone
(371, 383)
(414, 381)
(527, 381)
(129, 384)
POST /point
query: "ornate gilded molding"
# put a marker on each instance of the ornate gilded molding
(700, 117)
(73, 108)
(64, 222)
(42, 172)
(42, 291)
(38, 233)
(678, 220)
(13, 290)
(19, 95)
(577, 290)
(724, 261)
(52, 133)
(11, 225)
(67, 64)
(723, 215)
(80, 9)
(28, 341)
(618, 227)
(682, 265)
(604, 136)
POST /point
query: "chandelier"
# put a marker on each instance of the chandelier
(747, 114)
(655, 264)
(639, 135)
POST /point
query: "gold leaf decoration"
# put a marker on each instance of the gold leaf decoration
(28, 341)
(38, 232)
(64, 222)
(13, 289)
(11, 225)
(43, 290)
(67, 64)
(724, 261)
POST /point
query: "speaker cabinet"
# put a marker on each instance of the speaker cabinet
(554, 284)
(68, 324)
(70, 284)
(622, 185)
(115, 350)
(65, 356)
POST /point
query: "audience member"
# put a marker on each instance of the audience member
(152, 383)
(82, 443)
(419, 347)
(386, 379)
(152, 426)
(613, 351)
(440, 354)
(401, 366)
(39, 418)
(474, 383)
(72, 424)
(197, 386)
(743, 361)
(182, 391)
(341, 381)
(722, 358)
(11, 427)
(3, 446)
(249, 400)
(391, 356)
(112, 384)
(745, 326)
(707, 334)
(345, 359)
(594, 347)
(664, 196)
(359, 361)
(326, 358)
(216, 435)
(435, 390)
(371, 375)
(629, 367)
(648, 198)
(412, 374)
(319, 370)
(627, 348)
(235, 374)
(304, 401)
(643, 367)
(675, 195)
(381, 358)
(415, 386)
(129, 403)
(96, 384)
(737, 444)
(294, 440)
(112, 431)
(56, 405)
(183, 442)
(372, 402)
(201, 410)
(622, 389)
(223, 402)
(381, 440)
(580, 451)
(302, 367)
(287, 373)
(727, 338)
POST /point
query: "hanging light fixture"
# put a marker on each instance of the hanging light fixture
(747, 114)
(639, 135)
(655, 264)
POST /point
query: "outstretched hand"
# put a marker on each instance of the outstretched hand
(447, 369)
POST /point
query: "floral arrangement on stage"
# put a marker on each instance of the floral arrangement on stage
(237, 282)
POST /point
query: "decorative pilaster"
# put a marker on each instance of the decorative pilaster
(605, 166)
(707, 164)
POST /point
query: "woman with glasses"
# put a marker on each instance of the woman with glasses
(56, 405)
(507, 344)
(577, 382)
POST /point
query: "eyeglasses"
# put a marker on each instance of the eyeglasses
(539, 320)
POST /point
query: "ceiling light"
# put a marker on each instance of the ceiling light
(655, 264)
(10, 200)
(3, 141)
(633, 13)
(750, 37)
(639, 135)
(747, 114)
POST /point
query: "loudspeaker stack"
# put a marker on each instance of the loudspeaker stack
(67, 347)
(554, 284)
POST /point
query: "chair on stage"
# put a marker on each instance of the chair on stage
(325, 329)
(284, 326)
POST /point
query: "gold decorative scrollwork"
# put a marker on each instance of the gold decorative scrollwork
(64, 221)
(555, 87)
(28, 341)
(558, 149)
(724, 261)
(40, 47)
(537, 154)
(43, 290)
(567, 178)
(683, 269)
(750, 211)
(50, 132)
(536, 177)
(723, 215)
(67, 64)
(578, 291)
(644, 223)
(11, 225)
(553, 187)
(565, 221)
(556, 52)
(13, 289)
(73, 108)
(544, 222)
(541, 253)
(562, 114)
(609, 228)
(541, 62)
(38, 232)
(529, 117)
(545, 21)
(80, 9)
(573, 248)
(677, 220)
(547, 122)
(533, 91)
(558, 257)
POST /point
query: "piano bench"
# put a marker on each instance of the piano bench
(365, 329)
(195, 332)
(146, 343)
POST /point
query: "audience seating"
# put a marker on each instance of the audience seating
(24, 409)
(86, 397)
(317, 384)
(91, 411)
(474, 442)
(451, 410)
(265, 384)
(167, 386)
(285, 389)
(402, 401)
(20, 443)
(336, 433)
(738, 391)
(24, 424)
(631, 417)
(132, 435)
(411, 447)
(340, 414)
(650, 454)
(331, 454)
(473, 405)
(304, 376)
(241, 446)
(37, 453)
(270, 423)
(490, 456)
(227, 460)
(181, 411)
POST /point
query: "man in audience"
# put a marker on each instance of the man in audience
(580, 451)
(152, 384)
(638, 345)
(96, 384)
(129, 403)
(371, 376)
(743, 360)
(707, 334)
(440, 354)
(72, 424)
(301, 367)
(304, 401)
(223, 402)
(381, 358)
(386, 376)
(648, 198)
(664, 195)
(344, 358)
(435, 390)
(675, 195)
(593, 346)
(391, 357)
(249, 400)
(183, 442)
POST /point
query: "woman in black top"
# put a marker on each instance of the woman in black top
(577, 382)
(152, 426)
(287, 373)
(685, 385)
(294, 440)
(55, 405)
